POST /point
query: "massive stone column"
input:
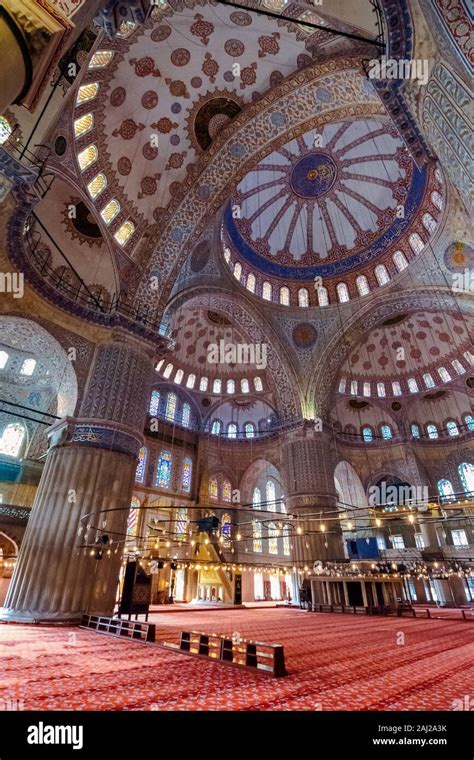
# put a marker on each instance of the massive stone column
(90, 468)
(308, 465)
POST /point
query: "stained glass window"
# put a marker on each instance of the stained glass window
(213, 489)
(3, 359)
(186, 474)
(132, 520)
(444, 374)
(412, 385)
(5, 130)
(226, 491)
(87, 156)
(87, 92)
(303, 298)
(232, 430)
(256, 498)
(124, 232)
(182, 521)
(466, 473)
(469, 421)
(272, 538)
(163, 472)
(366, 389)
(367, 434)
(257, 536)
(445, 490)
(12, 439)
(83, 124)
(399, 259)
(354, 387)
(101, 59)
(226, 529)
(428, 380)
(257, 383)
(96, 185)
(381, 390)
(271, 496)
(190, 382)
(267, 291)
(456, 364)
(381, 274)
(230, 386)
(362, 285)
(251, 283)
(286, 541)
(216, 427)
(216, 386)
(429, 223)
(238, 270)
(415, 431)
(386, 431)
(203, 383)
(28, 367)
(154, 403)
(396, 388)
(284, 296)
(437, 199)
(452, 428)
(141, 466)
(244, 386)
(432, 431)
(459, 538)
(110, 211)
(416, 242)
(170, 406)
(323, 298)
(249, 430)
(342, 292)
(186, 415)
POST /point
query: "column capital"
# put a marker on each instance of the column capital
(102, 434)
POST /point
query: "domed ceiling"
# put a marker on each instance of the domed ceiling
(327, 204)
(418, 352)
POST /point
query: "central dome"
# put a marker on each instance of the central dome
(313, 175)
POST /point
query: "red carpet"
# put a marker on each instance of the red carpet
(335, 663)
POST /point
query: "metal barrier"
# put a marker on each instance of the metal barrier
(130, 629)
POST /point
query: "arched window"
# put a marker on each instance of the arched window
(226, 529)
(186, 474)
(216, 427)
(170, 406)
(452, 428)
(132, 519)
(12, 439)
(101, 59)
(396, 388)
(186, 415)
(444, 374)
(381, 390)
(428, 222)
(226, 491)
(367, 434)
(154, 403)
(244, 386)
(366, 390)
(203, 383)
(227, 253)
(284, 296)
(256, 499)
(466, 474)
(168, 370)
(28, 367)
(83, 124)
(213, 489)
(432, 431)
(342, 385)
(286, 541)
(217, 385)
(257, 384)
(87, 92)
(445, 490)
(230, 386)
(190, 381)
(124, 232)
(386, 431)
(87, 157)
(412, 385)
(303, 298)
(257, 536)
(272, 538)
(249, 430)
(141, 466)
(163, 471)
(271, 496)
(323, 298)
(456, 365)
(238, 270)
(437, 200)
(5, 130)
(179, 377)
(399, 259)
(469, 422)
(415, 431)
(159, 365)
(231, 430)
(251, 283)
(3, 359)
(362, 284)
(416, 243)
(97, 185)
(381, 274)
(428, 380)
(354, 387)
(342, 292)
(182, 521)
(267, 291)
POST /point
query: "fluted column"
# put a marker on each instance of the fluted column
(89, 469)
(310, 494)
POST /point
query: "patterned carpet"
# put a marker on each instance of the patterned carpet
(334, 663)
